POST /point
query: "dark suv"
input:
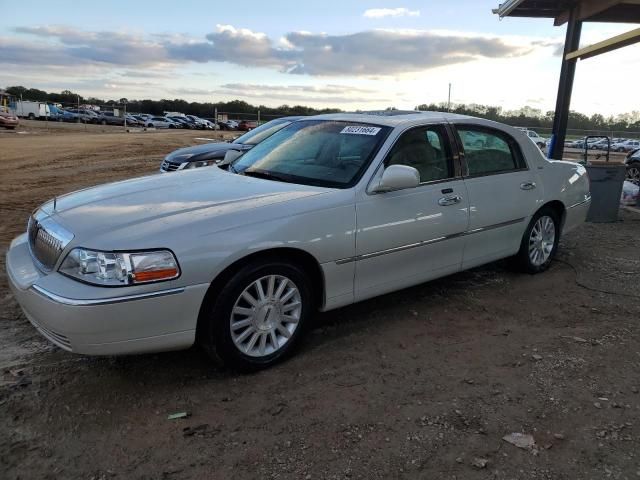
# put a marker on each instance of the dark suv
(210, 154)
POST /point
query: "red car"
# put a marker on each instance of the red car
(8, 120)
(246, 125)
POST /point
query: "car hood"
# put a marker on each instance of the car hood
(157, 203)
(207, 150)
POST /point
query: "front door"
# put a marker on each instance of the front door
(410, 236)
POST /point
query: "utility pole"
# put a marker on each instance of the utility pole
(449, 101)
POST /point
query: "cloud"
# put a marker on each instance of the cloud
(330, 94)
(389, 52)
(367, 53)
(390, 12)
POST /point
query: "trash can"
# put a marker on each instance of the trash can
(606, 188)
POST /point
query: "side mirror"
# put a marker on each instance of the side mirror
(230, 156)
(398, 177)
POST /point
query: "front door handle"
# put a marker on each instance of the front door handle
(448, 201)
(528, 185)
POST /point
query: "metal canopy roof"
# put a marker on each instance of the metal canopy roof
(618, 11)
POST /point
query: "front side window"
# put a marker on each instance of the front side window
(314, 152)
(426, 149)
(489, 151)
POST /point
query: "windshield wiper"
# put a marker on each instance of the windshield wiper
(267, 175)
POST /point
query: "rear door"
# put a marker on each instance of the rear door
(502, 190)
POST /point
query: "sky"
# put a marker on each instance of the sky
(349, 54)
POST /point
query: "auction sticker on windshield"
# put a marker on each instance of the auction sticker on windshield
(360, 130)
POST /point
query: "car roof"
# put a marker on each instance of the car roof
(392, 118)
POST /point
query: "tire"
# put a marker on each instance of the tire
(526, 259)
(228, 323)
(633, 173)
(103, 122)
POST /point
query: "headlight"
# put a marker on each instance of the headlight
(115, 269)
(202, 163)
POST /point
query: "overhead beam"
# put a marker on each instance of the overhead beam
(504, 9)
(605, 46)
(587, 9)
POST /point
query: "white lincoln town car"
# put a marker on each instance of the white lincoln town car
(330, 210)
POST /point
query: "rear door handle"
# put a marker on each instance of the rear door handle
(448, 201)
(528, 185)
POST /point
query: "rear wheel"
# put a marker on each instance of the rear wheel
(633, 173)
(540, 242)
(259, 316)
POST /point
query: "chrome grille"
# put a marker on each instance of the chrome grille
(47, 240)
(167, 166)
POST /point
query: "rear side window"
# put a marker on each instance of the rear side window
(488, 151)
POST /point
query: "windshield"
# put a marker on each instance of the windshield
(315, 152)
(257, 135)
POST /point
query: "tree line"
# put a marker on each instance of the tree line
(524, 117)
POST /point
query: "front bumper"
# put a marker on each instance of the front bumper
(103, 321)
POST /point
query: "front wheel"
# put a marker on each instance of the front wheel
(540, 242)
(259, 316)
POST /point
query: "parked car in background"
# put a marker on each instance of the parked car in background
(159, 122)
(211, 125)
(247, 125)
(633, 167)
(83, 115)
(132, 121)
(244, 257)
(601, 144)
(575, 144)
(209, 154)
(109, 118)
(200, 123)
(541, 142)
(8, 119)
(231, 124)
(626, 146)
(182, 121)
(32, 110)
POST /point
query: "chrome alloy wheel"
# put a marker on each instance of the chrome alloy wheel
(542, 240)
(265, 316)
(633, 174)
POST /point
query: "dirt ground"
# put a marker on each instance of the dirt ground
(419, 384)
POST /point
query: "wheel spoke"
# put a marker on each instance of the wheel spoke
(270, 286)
(288, 295)
(253, 341)
(261, 295)
(291, 306)
(248, 312)
(283, 331)
(274, 340)
(249, 298)
(240, 324)
(281, 288)
(290, 319)
(263, 343)
(244, 335)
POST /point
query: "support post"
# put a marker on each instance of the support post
(567, 76)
